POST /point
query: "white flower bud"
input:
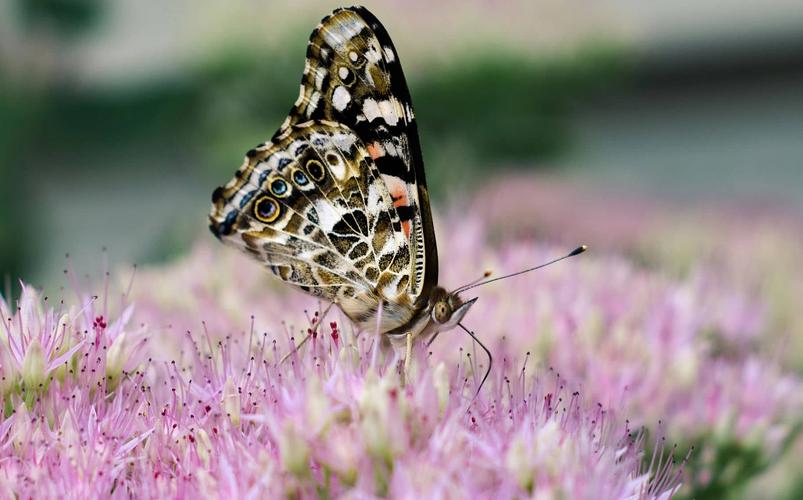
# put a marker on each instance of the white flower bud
(318, 411)
(231, 401)
(294, 451)
(349, 356)
(203, 445)
(440, 380)
(519, 464)
(116, 357)
(33, 366)
(374, 407)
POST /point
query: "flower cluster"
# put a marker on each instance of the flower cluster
(93, 409)
(690, 351)
(748, 252)
(214, 394)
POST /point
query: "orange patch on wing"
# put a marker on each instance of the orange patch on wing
(400, 199)
(399, 194)
(376, 150)
(406, 228)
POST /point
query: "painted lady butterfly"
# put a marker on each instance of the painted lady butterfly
(337, 202)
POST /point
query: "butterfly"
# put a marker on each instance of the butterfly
(336, 203)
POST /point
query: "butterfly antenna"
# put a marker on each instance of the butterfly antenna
(473, 282)
(576, 251)
(490, 360)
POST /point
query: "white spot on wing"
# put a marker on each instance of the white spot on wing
(389, 290)
(389, 55)
(390, 148)
(327, 217)
(370, 109)
(285, 123)
(274, 159)
(341, 98)
(313, 102)
(301, 92)
(373, 55)
(344, 142)
(343, 72)
(389, 248)
(338, 170)
(346, 29)
(296, 144)
(409, 110)
(373, 205)
(320, 73)
(387, 109)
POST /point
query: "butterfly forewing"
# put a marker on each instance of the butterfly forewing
(353, 76)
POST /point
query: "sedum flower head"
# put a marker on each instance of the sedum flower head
(688, 350)
(210, 397)
(222, 416)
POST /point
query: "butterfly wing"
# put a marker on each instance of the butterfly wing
(353, 76)
(336, 203)
(312, 206)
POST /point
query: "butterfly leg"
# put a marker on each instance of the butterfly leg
(408, 358)
(378, 334)
(432, 339)
(310, 334)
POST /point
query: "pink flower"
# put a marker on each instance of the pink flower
(651, 346)
(209, 395)
(224, 418)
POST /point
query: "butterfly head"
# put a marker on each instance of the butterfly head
(448, 309)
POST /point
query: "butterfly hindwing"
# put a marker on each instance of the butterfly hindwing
(312, 206)
(353, 76)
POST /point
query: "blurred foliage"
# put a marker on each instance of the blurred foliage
(66, 18)
(726, 470)
(16, 121)
(23, 110)
(796, 492)
(732, 467)
(493, 110)
(509, 107)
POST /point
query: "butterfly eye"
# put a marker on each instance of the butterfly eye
(300, 178)
(442, 312)
(315, 170)
(278, 187)
(266, 209)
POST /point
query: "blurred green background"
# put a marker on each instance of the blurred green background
(118, 118)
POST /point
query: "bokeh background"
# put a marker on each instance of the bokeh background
(670, 131)
(118, 117)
